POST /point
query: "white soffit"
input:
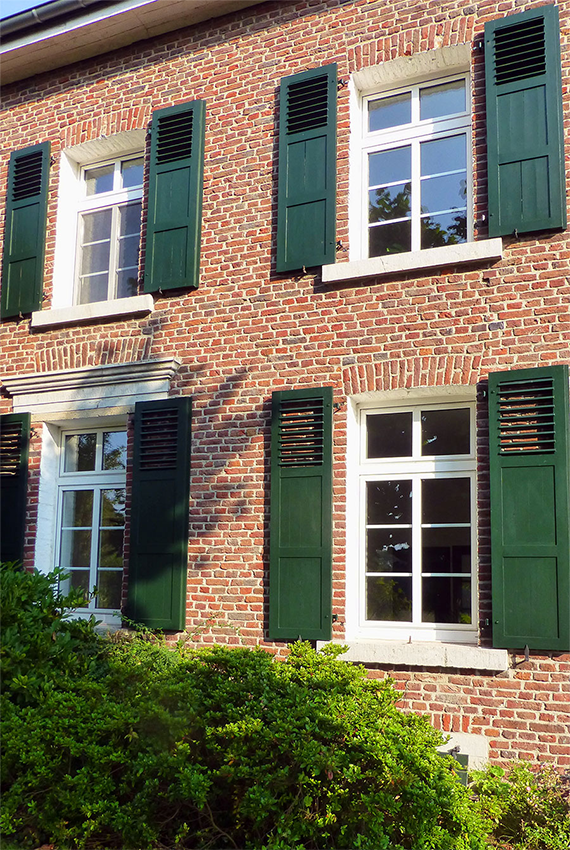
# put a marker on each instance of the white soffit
(116, 386)
(102, 30)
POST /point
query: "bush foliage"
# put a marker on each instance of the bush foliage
(125, 743)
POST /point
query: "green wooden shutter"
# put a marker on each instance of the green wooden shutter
(24, 235)
(307, 169)
(14, 450)
(530, 508)
(525, 147)
(172, 258)
(158, 556)
(300, 581)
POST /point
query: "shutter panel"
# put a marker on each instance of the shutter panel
(159, 514)
(14, 450)
(24, 235)
(172, 258)
(530, 508)
(525, 146)
(307, 169)
(300, 580)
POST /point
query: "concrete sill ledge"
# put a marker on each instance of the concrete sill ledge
(137, 305)
(447, 255)
(423, 654)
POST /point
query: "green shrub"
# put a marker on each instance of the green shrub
(524, 809)
(137, 745)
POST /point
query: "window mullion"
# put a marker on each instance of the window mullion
(113, 254)
(416, 551)
(94, 544)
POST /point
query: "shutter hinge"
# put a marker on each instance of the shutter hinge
(341, 83)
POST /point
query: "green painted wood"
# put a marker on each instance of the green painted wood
(300, 571)
(525, 145)
(14, 452)
(158, 557)
(530, 508)
(306, 206)
(172, 258)
(24, 235)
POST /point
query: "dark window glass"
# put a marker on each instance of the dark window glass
(445, 432)
(389, 502)
(389, 435)
(446, 500)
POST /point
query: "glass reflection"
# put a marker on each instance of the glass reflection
(389, 112)
(446, 550)
(446, 500)
(444, 99)
(446, 432)
(389, 599)
(389, 435)
(79, 452)
(389, 502)
(446, 600)
(388, 550)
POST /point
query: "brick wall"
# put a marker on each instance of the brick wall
(248, 331)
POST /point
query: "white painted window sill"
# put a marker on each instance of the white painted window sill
(425, 654)
(447, 255)
(137, 305)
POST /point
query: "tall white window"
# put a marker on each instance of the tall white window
(416, 166)
(109, 230)
(91, 514)
(417, 521)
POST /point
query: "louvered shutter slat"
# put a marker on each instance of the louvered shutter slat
(306, 207)
(530, 508)
(159, 514)
(172, 258)
(300, 578)
(24, 234)
(525, 153)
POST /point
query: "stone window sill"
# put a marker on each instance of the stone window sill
(447, 255)
(425, 654)
(137, 305)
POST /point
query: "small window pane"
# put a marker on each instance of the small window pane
(389, 435)
(391, 166)
(75, 548)
(388, 550)
(112, 507)
(111, 547)
(446, 550)
(440, 156)
(77, 509)
(115, 450)
(95, 258)
(98, 180)
(446, 432)
(390, 239)
(444, 193)
(389, 502)
(132, 173)
(389, 599)
(446, 500)
(389, 203)
(97, 226)
(79, 452)
(438, 230)
(446, 600)
(127, 284)
(389, 112)
(78, 580)
(445, 99)
(109, 584)
(130, 220)
(93, 288)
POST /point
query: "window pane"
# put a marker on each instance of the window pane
(115, 450)
(75, 548)
(93, 288)
(80, 452)
(112, 507)
(96, 226)
(389, 599)
(129, 253)
(446, 550)
(77, 509)
(389, 435)
(109, 588)
(77, 579)
(389, 502)
(389, 112)
(111, 548)
(446, 500)
(390, 239)
(132, 172)
(389, 203)
(388, 550)
(99, 179)
(391, 166)
(127, 284)
(446, 432)
(445, 99)
(130, 219)
(446, 600)
(444, 193)
(95, 258)
(443, 155)
(449, 229)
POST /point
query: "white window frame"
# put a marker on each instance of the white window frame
(359, 471)
(96, 480)
(412, 134)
